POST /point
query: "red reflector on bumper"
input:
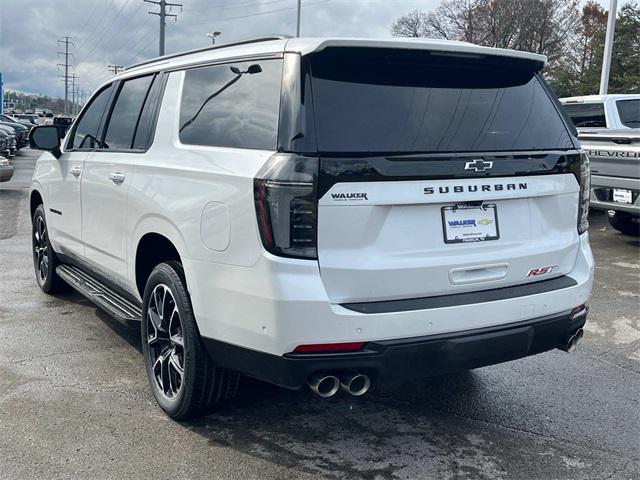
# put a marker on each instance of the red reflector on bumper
(578, 311)
(329, 347)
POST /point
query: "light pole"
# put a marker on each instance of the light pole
(608, 47)
(298, 22)
(212, 36)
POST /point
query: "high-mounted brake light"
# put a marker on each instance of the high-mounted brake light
(286, 197)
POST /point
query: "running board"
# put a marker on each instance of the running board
(97, 292)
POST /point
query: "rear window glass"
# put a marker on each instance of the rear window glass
(232, 105)
(629, 111)
(587, 114)
(397, 103)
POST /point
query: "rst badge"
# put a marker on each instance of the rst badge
(534, 272)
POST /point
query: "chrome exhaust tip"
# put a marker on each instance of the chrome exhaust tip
(355, 383)
(574, 341)
(324, 385)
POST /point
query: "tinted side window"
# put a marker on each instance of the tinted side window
(125, 114)
(85, 132)
(232, 105)
(147, 121)
(629, 111)
(586, 114)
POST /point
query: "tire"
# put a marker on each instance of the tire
(183, 379)
(45, 260)
(623, 222)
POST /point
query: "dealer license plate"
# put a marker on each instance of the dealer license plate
(470, 223)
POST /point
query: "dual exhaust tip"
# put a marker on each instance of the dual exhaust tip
(327, 385)
(573, 342)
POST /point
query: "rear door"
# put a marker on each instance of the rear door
(107, 176)
(439, 175)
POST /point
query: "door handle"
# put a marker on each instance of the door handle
(116, 177)
(76, 171)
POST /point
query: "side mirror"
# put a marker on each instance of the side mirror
(45, 137)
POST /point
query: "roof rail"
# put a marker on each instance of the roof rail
(213, 47)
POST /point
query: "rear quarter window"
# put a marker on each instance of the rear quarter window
(232, 105)
(586, 114)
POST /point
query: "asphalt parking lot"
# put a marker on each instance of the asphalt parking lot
(74, 401)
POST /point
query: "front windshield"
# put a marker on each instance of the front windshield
(629, 111)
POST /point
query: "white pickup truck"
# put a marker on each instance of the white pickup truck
(609, 131)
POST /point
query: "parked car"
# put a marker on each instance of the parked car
(609, 130)
(5, 151)
(22, 132)
(613, 112)
(615, 176)
(321, 212)
(6, 169)
(31, 118)
(63, 122)
(12, 141)
(14, 118)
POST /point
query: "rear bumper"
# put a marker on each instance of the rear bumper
(409, 358)
(278, 304)
(602, 193)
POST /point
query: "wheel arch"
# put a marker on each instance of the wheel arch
(152, 249)
(35, 199)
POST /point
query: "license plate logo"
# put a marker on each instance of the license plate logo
(470, 223)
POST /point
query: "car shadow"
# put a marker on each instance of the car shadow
(380, 435)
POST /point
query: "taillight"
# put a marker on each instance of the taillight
(582, 173)
(286, 197)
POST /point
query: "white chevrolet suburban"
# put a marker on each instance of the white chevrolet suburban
(330, 212)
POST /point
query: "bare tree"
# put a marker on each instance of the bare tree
(541, 26)
(412, 24)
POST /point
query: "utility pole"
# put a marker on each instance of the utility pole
(73, 93)
(115, 69)
(298, 23)
(608, 47)
(213, 36)
(66, 41)
(163, 4)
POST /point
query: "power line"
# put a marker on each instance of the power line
(163, 4)
(110, 25)
(100, 24)
(266, 12)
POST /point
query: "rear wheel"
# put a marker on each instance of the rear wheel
(44, 258)
(184, 380)
(625, 223)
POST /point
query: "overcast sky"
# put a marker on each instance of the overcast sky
(121, 32)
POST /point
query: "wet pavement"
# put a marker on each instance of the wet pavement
(74, 401)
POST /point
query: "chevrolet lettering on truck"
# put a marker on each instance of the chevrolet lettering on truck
(323, 212)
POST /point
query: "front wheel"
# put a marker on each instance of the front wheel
(44, 258)
(184, 380)
(625, 223)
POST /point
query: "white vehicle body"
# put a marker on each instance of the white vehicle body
(382, 273)
(605, 109)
